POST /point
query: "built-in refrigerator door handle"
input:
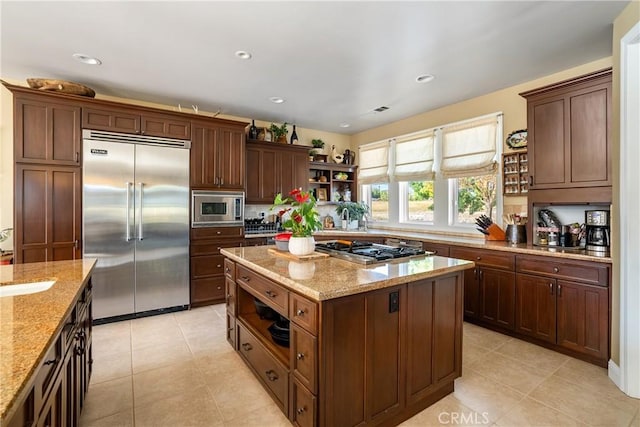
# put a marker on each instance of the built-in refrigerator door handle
(128, 212)
(140, 207)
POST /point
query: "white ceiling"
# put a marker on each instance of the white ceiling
(332, 62)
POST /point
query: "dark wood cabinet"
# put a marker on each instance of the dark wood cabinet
(323, 175)
(208, 269)
(46, 132)
(48, 213)
(126, 120)
(569, 138)
(274, 168)
(439, 249)
(565, 303)
(217, 156)
(489, 287)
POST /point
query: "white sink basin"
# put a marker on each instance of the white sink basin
(14, 289)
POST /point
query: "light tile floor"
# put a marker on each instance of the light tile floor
(178, 370)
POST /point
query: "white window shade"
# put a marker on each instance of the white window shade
(469, 149)
(374, 163)
(414, 158)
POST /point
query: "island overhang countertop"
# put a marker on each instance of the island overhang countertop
(327, 278)
(30, 321)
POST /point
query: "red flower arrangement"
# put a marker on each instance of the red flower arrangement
(304, 219)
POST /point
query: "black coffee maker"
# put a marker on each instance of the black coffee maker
(597, 231)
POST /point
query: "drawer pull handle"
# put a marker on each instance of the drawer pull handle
(551, 288)
(556, 269)
(229, 330)
(271, 375)
(245, 278)
(51, 362)
(271, 294)
(300, 356)
(302, 410)
(227, 270)
(219, 287)
(219, 266)
(478, 258)
(247, 347)
(559, 289)
(300, 312)
(217, 232)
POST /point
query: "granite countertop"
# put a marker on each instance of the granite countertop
(29, 323)
(339, 277)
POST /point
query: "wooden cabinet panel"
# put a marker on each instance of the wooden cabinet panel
(216, 233)
(439, 249)
(203, 157)
(47, 213)
(266, 290)
(548, 154)
(471, 293)
(304, 312)
(110, 120)
(207, 265)
(231, 158)
(207, 290)
(497, 297)
(303, 406)
(303, 360)
(230, 269)
(582, 318)
(46, 133)
(494, 259)
(587, 272)
(447, 324)
(536, 307)
(165, 125)
(232, 332)
(217, 157)
(230, 296)
(419, 339)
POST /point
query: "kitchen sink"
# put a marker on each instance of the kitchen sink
(14, 289)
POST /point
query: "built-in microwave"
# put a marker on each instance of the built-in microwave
(216, 208)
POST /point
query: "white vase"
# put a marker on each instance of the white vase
(302, 245)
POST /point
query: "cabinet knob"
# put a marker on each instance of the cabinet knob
(218, 232)
(247, 347)
(478, 258)
(227, 270)
(300, 312)
(219, 266)
(271, 294)
(245, 278)
(551, 288)
(556, 269)
(271, 375)
(219, 287)
(300, 356)
(229, 329)
(301, 410)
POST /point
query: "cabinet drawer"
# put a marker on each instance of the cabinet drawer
(230, 296)
(304, 312)
(267, 291)
(206, 265)
(269, 370)
(592, 273)
(48, 370)
(216, 233)
(207, 290)
(230, 269)
(232, 333)
(303, 357)
(439, 249)
(212, 247)
(304, 406)
(482, 257)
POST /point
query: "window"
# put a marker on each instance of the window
(443, 178)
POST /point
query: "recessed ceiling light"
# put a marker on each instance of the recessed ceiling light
(424, 78)
(86, 59)
(243, 54)
(344, 125)
(276, 100)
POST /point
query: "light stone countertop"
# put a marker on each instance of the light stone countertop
(478, 243)
(328, 278)
(29, 323)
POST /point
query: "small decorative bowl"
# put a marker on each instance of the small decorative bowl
(282, 245)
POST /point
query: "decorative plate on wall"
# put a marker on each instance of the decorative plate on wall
(517, 139)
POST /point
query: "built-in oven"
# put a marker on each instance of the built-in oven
(217, 208)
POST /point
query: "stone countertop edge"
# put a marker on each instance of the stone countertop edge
(341, 278)
(30, 322)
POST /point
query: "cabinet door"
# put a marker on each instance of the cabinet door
(110, 120)
(203, 157)
(548, 158)
(419, 340)
(230, 151)
(583, 318)
(536, 307)
(165, 125)
(47, 132)
(262, 175)
(471, 293)
(48, 212)
(497, 297)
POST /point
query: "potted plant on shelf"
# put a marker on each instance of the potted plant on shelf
(303, 219)
(350, 212)
(312, 154)
(279, 132)
(318, 145)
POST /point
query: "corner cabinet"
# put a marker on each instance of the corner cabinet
(274, 168)
(569, 133)
(217, 156)
(327, 176)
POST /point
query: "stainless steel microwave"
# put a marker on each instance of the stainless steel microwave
(216, 208)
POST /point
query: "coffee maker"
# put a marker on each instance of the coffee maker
(597, 231)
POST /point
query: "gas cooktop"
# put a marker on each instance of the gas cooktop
(366, 252)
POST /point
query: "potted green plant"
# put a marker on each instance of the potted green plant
(279, 132)
(317, 143)
(303, 219)
(355, 210)
(312, 154)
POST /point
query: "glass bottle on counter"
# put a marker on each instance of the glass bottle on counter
(253, 130)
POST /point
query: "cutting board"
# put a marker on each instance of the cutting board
(292, 257)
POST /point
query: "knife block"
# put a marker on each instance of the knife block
(495, 233)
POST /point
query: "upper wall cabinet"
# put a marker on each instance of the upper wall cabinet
(569, 133)
(217, 156)
(131, 121)
(46, 132)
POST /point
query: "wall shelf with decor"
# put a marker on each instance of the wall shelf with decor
(333, 182)
(515, 173)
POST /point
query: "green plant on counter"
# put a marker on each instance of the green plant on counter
(278, 131)
(303, 218)
(317, 143)
(357, 210)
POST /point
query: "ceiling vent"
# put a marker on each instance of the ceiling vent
(380, 109)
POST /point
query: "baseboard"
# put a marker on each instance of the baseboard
(614, 374)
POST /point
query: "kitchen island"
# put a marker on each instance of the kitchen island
(45, 341)
(368, 345)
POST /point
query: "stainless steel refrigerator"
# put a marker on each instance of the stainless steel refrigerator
(136, 222)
